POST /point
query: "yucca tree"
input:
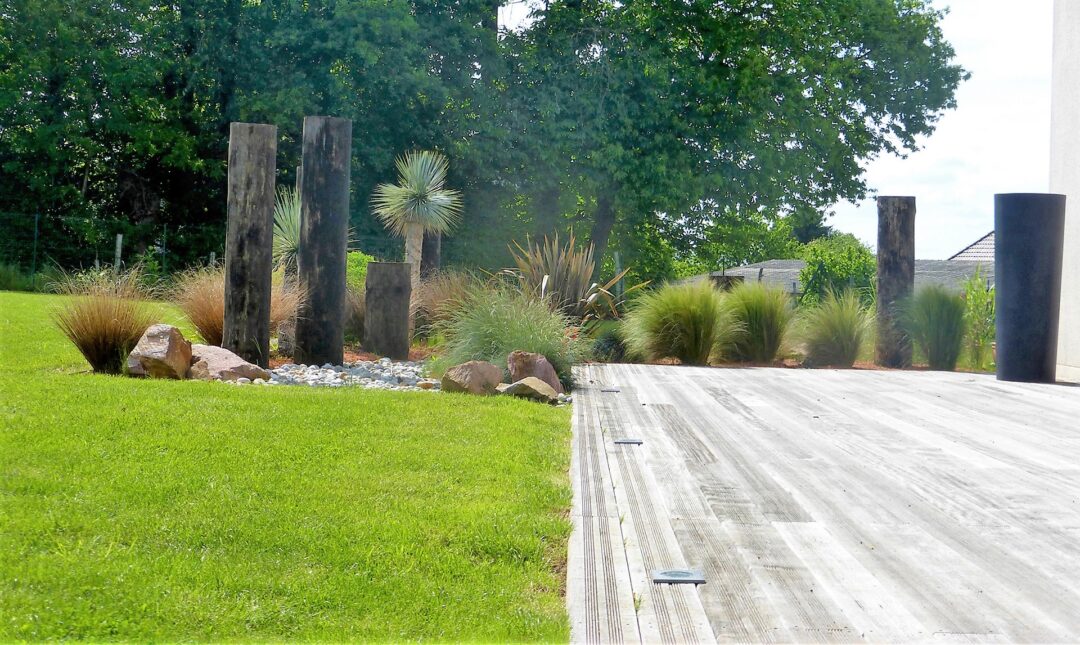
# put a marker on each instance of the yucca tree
(286, 244)
(419, 203)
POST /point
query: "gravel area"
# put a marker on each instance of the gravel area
(383, 374)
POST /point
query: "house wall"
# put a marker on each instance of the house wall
(1065, 175)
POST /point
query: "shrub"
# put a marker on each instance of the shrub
(763, 314)
(979, 318)
(498, 319)
(13, 279)
(356, 269)
(354, 314)
(835, 331)
(934, 319)
(835, 263)
(685, 321)
(105, 315)
(200, 294)
(609, 345)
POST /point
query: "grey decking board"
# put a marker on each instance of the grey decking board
(916, 505)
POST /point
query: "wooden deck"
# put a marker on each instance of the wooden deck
(824, 505)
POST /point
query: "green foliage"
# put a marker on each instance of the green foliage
(934, 319)
(836, 263)
(12, 278)
(835, 330)
(340, 509)
(608, 343)
(498, 319)
(979, 318)
(104, 315)
(286, 243)
(685, 321)
(763, 314)
(420, 198)
(356, 269)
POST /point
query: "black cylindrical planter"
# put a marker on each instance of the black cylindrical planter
(1029, 231)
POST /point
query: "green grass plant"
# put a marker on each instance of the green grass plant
(979, 319)
(684, 321)
(150, 510)
(764, 314)
(836, 331)
(934, 319)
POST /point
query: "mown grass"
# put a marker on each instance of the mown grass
(163, 510)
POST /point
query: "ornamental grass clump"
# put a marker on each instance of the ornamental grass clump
(104, 316)
(764, 314)
(934, 320)
(497, 319)
(687, 322)
(200, 294)
(440, 296)
(836, 330)
(980, 318)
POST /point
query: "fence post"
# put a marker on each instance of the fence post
(324, 232)
(895, 277)
(116, 252)
(33, 262)
(387, 291)
(248, 240)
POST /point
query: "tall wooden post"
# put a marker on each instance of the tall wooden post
(895, 277)
(387, 291)
(324, 232)
(249, 240)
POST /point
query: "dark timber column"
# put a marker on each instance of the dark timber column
(895, 277)
(1029, 232)
(388, 288)
(248, 241)
(324, 231)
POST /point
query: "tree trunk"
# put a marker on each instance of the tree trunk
(604, 221)
(431, 256)
(414, 250)
(895, 278)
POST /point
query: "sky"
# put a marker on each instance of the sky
(997, 140)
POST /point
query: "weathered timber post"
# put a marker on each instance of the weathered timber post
(1029, 235)
(387, 291)
(895, 277)
(249, 240)
(117, 250)
(430, 253)
(324, 232)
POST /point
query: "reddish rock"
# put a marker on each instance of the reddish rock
(162, 352)
(525, 364)
(475, 377)
(531, 388)
(212, 363)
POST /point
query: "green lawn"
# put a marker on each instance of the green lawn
(154, 510)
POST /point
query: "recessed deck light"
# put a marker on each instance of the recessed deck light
(678, 577)
(628, 441)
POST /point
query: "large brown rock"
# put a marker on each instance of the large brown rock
(474, 377)
(162, 352)
(525, 364)
(212, 363)
(531, 388)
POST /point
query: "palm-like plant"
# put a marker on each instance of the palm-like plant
(286, 229)
(418, 203)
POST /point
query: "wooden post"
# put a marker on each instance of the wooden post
(324, 232)
(116, 252)
(430, 254)
(895, 277)
(248, 241)
(387, 291)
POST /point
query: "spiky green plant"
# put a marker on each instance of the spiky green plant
(686, 321)
(497, 319)
(934, 319)
(979, 317)
(286, 243)
(764, 313)
(419, 203)
(835, 331)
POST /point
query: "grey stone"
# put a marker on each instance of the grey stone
(162, 352)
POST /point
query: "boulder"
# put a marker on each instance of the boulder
(531, 388)
(475, 377)
(162, 352)
(525, 364)
(212, 363)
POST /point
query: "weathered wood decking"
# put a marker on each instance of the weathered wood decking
(824, 506)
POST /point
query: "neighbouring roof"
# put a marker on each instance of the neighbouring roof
(981, 250)
(785, 273)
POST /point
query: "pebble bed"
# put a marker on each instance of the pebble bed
(383, 374)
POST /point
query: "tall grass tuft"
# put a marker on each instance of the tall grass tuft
(200, 294)
(979, 317)
(685, 321)
(105, 315)
(497, 319)
(558, 270)
(934, 319)
(440, 295)
(835, 331)
(764, 313)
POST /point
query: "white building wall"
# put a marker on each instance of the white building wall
(1065, 175)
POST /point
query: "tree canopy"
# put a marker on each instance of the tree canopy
(679, 133)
